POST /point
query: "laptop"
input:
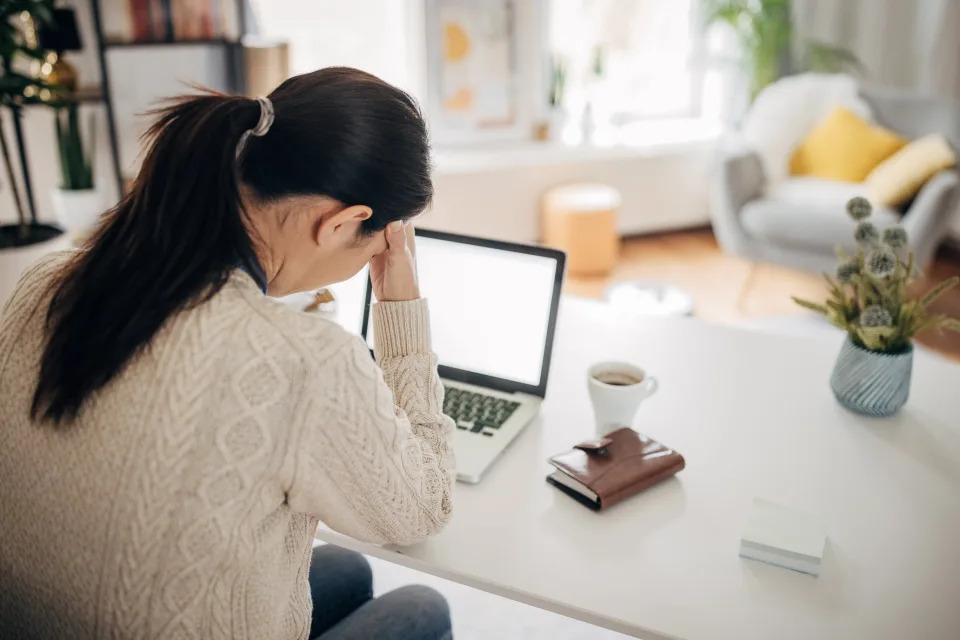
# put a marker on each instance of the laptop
(493, 309)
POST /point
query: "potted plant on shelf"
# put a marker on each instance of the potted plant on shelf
(551, 128)
(870, 301)
(22, 241)
(558, 85)
(77, 204)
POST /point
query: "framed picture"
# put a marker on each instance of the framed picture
(482, 63)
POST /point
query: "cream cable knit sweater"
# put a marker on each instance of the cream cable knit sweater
(183, 502)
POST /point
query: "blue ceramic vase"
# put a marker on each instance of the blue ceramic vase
(870, 382)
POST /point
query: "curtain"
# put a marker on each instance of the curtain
(912, 45)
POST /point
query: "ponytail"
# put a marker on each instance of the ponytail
(171, 241)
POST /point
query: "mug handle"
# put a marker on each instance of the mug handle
(650, 385)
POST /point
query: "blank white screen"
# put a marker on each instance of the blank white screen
(489, 308)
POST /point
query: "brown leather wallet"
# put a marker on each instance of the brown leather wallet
(601, 473)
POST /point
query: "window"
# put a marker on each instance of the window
(627, 59)
(645, 51)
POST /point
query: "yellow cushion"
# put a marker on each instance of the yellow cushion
(899, 177)
(845, 147)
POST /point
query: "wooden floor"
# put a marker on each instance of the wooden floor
(732, 290)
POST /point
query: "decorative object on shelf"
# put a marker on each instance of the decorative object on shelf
(77, 203)
(24, 242)
(869, 300)
(552, 127)
(592, 118)
(765, 34)
(58, 37)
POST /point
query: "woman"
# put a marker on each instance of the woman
(170, 436)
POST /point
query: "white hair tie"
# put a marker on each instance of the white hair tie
(263, 124)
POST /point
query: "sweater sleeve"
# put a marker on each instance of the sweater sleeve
(375, 460)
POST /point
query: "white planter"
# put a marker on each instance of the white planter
(559, 120)
(14, 260)
(77, 210)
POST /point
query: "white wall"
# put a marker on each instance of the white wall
(378, 36)
(908, 44)
(142, 77)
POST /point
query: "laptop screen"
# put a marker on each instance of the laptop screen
(491, 305)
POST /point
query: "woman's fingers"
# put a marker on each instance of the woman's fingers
(396, 238)
(410, 237)
(396, 266)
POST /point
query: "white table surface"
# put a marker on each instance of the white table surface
(754, 417)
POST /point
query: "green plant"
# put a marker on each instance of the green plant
(76, 163)
(869, 298)
(765, 33)
(598, 66)
(558, 81)
(827, 58)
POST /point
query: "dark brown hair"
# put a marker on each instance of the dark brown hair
(174, 239)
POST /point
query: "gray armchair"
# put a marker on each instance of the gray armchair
(800, 222)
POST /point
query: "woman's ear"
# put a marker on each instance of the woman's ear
(334, 222)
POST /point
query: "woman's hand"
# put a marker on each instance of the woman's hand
(394, 271)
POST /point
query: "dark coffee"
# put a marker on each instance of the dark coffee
(617, 378)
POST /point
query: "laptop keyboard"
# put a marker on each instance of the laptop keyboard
(476, 411)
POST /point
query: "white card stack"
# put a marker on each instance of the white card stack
(778, 535)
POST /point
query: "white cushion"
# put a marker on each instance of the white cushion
(808, 214)
(785, 112)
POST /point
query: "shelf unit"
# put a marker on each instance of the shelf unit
(235, 73)
(235, 69)
(84, 95)
(113, 44)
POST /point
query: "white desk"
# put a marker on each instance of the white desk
(754, 416)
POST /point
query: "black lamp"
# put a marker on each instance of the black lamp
(59, 36)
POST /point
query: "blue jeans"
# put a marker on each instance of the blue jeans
(341, 586)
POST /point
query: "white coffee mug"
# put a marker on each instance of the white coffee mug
(616, 391)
